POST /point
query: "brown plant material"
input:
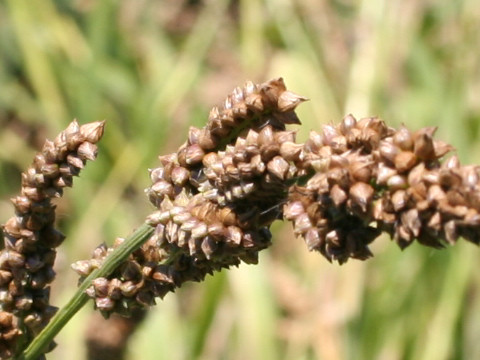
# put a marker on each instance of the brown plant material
(217, 196)
(30, 237)
(370, 178)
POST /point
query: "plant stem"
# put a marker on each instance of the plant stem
(39, 344)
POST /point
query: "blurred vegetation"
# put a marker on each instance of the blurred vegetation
(153, 68)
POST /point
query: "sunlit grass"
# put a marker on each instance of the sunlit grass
(154, 68)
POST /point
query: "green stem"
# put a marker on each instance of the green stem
(40, 343)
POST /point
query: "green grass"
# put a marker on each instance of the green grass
(153, 68)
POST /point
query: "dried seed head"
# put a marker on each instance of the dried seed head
(30, 237)
(218, 194)
(394, 171)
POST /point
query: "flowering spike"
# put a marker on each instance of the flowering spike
(30, 237)
(218, 194)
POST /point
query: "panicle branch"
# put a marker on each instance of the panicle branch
(30, 238)
(217, 196)
(369, 178)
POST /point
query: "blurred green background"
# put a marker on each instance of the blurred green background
(153, 68)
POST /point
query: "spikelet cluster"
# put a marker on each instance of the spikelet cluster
(30, 237)
(369, 178)
(215, 197)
